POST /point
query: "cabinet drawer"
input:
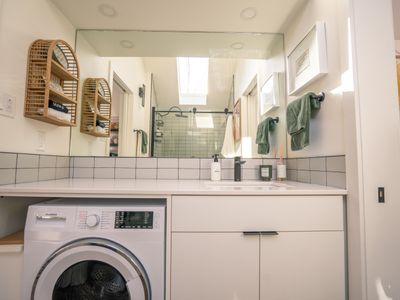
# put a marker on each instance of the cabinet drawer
(256, 213)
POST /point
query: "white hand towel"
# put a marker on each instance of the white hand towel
(228, 148)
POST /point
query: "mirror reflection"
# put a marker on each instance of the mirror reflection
(184, 94)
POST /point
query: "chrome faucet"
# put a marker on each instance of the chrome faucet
(238, 168)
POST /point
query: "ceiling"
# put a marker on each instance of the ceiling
(174, 44)
(166, 82)
(180, 15)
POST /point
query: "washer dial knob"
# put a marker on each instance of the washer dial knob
(92, 220)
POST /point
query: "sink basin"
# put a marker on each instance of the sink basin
(247, 184)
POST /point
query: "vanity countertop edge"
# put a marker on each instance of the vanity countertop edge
(130, 187)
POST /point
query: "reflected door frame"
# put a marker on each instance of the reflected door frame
(125, 136)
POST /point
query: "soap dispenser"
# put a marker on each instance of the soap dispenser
(215, 169)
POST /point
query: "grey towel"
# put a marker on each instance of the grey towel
(298, 115)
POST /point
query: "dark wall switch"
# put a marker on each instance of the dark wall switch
(381, 194)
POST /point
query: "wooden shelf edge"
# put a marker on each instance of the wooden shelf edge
(101, 117)
(59, 70)
(16, 238)
(61, 97)
(51, 120)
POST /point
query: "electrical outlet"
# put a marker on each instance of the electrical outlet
(7, 105)
(41, 141)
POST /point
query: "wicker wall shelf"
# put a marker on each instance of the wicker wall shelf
(52, 74)
(96, 107)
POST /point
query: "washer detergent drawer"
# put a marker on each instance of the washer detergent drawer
(256, 213)
(92, 269)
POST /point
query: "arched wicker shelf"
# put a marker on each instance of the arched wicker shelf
(52, 83)
(96, 107)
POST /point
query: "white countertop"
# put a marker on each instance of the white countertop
(127, 188)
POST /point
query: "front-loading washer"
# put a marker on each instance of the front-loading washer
(87, 249)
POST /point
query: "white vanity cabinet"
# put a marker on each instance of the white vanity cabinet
(257, 248)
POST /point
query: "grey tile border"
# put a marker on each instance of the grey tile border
(205, 163)
(167, 174)
(318, 177)
(47, 161)
(292, 175)
(227, 174)
(336, 179)
(83, 162)
(104, 173)
(27, 161)
(125, 162)
(252, 163)
(303, 176)
(292, 163)
(250, 174)
(8, 160)
(62, 173)
(167, 163)
(104, 162)
(303, 164)
(227, 163)
(47, 174)
(146, 173)
(189, 163)
(124, 173)
(146, 163)
(27, 175)
(62, 162)
(189, 174)
(318, 164)
(83, 173)
(7, 176)
(205, 174)
(336, 164)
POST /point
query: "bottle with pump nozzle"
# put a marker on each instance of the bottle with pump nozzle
(215, 169)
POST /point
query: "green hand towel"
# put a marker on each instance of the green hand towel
(298, 115)
(262, 139)
(144, 141)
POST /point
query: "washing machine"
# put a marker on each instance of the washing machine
(89, 249)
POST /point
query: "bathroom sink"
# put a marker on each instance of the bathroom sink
(247, 184)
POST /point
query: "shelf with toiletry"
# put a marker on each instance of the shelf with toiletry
(52, 83)
(96, 107)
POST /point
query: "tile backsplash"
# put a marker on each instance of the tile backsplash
(20, 168)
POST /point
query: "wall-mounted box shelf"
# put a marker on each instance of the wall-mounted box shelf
(96, 107)
(52, 83)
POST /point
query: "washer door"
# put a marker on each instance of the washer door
(91, 269)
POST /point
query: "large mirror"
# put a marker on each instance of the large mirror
(185, 94)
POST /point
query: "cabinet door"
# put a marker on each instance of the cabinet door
(302, 266)
(214, 266)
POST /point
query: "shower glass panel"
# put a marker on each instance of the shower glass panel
(188, 135)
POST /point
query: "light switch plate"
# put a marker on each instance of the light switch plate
(7, 105)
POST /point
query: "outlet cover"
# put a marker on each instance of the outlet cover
(7, 105)
(41, 141)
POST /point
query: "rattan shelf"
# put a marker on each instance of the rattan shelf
(96, 107)
(48, 79)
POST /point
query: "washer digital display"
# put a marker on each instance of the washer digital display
(134, 219)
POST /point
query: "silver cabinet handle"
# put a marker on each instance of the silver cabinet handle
(51, 217)
(260, 233)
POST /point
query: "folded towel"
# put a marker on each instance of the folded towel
(100, 124)
(262, 139)
(298, 115)
(228, 148)
(58, 106)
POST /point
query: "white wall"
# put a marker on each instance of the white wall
(131, 71)
(326, 135)
(22, 22)
(377, 135)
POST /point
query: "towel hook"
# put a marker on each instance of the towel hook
(226, 110)
(275, 120)
(319, 97)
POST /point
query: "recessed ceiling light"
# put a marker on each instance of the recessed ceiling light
(107, 10)
(126, 44)
(248, 13)
(237, 46)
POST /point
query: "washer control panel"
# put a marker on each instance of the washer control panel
(134, 219)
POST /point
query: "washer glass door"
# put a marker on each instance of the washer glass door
(91, 269)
